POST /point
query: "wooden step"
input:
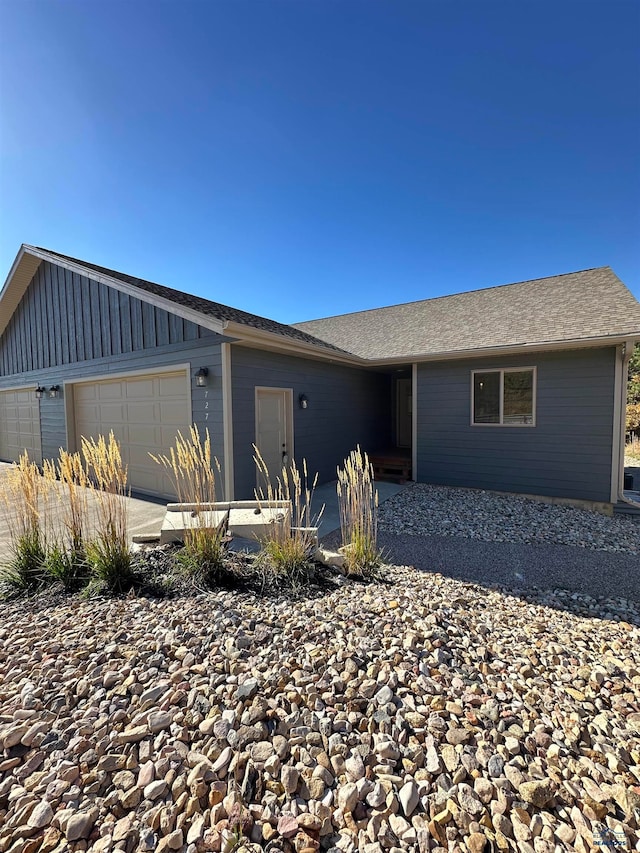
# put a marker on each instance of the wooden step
(395, 469)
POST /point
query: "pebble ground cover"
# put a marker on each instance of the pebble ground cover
(491, 517)
(417, 713)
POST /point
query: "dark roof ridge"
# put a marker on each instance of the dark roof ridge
(450, 295)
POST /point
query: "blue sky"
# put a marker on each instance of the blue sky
(298, 158)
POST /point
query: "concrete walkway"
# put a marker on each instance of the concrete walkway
(327, 495)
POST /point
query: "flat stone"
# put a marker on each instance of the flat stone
(248, 689)
(287, 825)
(158, 721)
(80, 824)
(156, 789)
(538, 792)
(41, 816)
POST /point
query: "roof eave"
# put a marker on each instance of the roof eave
(22, 271)
(252, 337)
(512, 349)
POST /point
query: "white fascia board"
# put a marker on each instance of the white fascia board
(12, 272)
(212, 323)
(22, 271)
(507, 349)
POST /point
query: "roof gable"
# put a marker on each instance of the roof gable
(204, 307)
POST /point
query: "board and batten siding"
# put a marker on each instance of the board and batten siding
(65, 318)
(67, 329)
(347, 406)
(566, 454)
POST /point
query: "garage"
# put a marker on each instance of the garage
(20, 425)
(145, 414)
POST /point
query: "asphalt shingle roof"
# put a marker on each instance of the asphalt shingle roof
(580, 305)
(204, 306)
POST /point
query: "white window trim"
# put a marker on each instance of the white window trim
(502, 371)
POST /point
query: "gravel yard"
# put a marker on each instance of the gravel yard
(422, 509)
(420, 714)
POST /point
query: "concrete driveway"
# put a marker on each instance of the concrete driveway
(145, 516)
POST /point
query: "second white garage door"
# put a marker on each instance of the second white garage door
(145, 414)
(20, 425)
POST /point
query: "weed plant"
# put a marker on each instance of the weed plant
(108, 554)
(358, 505)
(23, 495)
(193, 471)
(286, 554)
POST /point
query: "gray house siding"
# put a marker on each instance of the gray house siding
(101, 333)
(65, 318)
(206, 403)
(347, 406)
(568, 452)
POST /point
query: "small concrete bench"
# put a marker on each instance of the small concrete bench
(243, 519)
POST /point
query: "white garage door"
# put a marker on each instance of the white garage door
(145, 414)
(20, 425)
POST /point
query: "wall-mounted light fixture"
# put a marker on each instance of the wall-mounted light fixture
(303, 400)
(40, 392)
(201, 377)
(54, 391)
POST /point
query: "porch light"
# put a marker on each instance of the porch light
(54, 391)
(303, 400)
(201, 377)
(40, 392)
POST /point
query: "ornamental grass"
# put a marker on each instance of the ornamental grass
(193, 472)
(288, 545)
(24, 496)
(358, 505)
(108, 553)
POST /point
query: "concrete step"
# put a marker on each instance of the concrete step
(626, 509)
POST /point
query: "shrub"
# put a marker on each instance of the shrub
(108, 553)
(192, 471)
(358, 505)
(24, 495)
(288, 546)
(69, 567)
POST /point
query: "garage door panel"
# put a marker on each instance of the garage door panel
(20, 425)
(169, 434)
(110, 391)
(140, 389)
(143, 435)
(169, 386)
(84, 393)
(139, 457)
(145, 413)
(172, 412)
(142, 413)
